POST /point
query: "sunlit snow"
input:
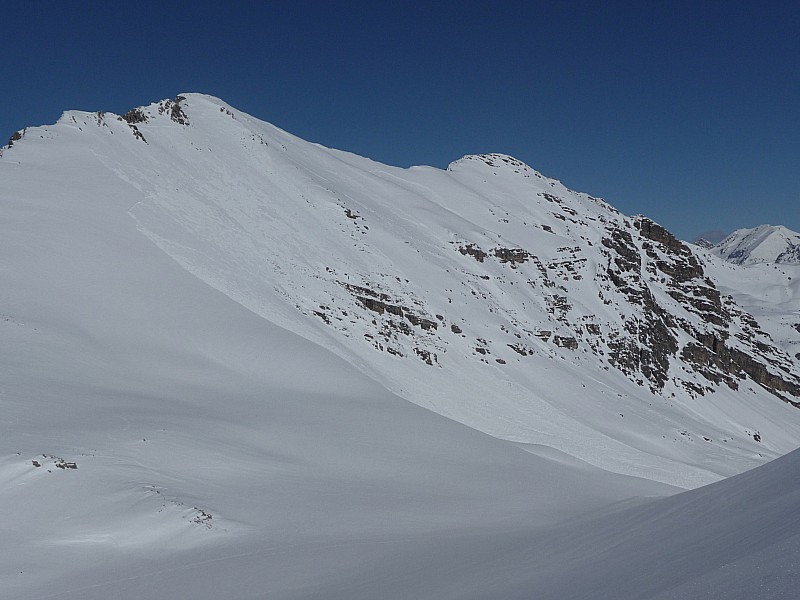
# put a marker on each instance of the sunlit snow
(194, 404)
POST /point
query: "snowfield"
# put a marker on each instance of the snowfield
(240, 365)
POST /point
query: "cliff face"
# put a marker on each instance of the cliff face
(712, 354)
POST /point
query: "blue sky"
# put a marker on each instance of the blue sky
(688, 112)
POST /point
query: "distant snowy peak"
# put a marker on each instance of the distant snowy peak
(762, 244)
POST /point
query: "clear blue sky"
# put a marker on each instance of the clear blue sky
(688, 112)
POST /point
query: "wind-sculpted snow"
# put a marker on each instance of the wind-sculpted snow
(211, 330)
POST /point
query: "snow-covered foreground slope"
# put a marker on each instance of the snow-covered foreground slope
(737, 539)
(219, 326)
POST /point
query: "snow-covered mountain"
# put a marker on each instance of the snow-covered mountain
(762, 244)
(213, 330)
(487, 292)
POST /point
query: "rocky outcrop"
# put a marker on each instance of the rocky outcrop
(134, 116)
(15, 137)
(669, 323)
(713, 359)
(513, 256)
(655, 232)
(474, 251)
(174, 109)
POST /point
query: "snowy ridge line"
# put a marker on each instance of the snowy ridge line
(465, 278)
(353, 372)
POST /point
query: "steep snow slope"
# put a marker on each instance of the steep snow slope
(487, 293)
(762, 244)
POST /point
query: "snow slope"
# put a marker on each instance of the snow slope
(736, 539)
(185, 322)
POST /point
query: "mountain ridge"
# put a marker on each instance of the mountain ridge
(446, 286)
(238, 361)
